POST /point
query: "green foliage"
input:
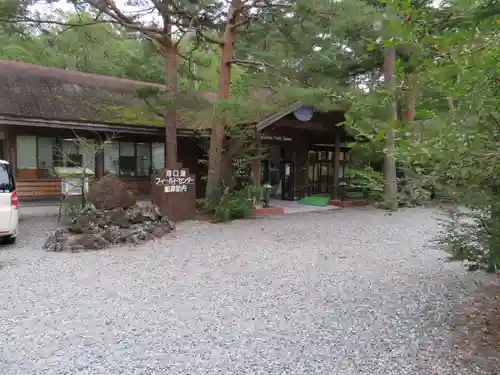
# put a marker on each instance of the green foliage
(458, 153)
(471, 235)
(99, 48)
(235, 205)
(370, 181)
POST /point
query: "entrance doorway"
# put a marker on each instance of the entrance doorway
(287, 180)
(321, 172)
(278, 170)
(323, 180)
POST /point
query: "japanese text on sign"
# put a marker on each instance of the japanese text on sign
(176, 189)
(175, 181)
(175, 177)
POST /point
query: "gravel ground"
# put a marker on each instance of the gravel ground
(335, 293)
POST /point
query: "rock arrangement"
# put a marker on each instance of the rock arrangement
(108, 222)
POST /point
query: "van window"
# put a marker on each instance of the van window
(7, 184)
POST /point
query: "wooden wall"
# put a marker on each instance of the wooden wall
(38, 189)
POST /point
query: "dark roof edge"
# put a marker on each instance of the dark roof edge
(83, 125)
(268, 121)
(261, 125)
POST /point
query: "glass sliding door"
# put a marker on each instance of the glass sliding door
(320, 172)
(324, 177)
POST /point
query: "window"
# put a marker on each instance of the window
(344, 171)
(26, 152)
(133, 159)
(76, 153)
(7, 184)
(157, 156)
(26, 156)
(111, 158)
(143, 159)
(344, 156)
(88, 151)
(312, 156)
(47, 157)
(46, 147)
(127, 159)
(37, 156)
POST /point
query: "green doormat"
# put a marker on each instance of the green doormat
(316, 200)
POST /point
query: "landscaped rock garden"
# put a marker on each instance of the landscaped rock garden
(113, 217)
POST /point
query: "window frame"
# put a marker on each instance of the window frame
(163, 156)
(7, 168)
(150, 169)
(57, 159)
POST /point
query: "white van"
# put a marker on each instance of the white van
(9, 206)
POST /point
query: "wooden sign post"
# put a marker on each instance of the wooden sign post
(174, 192)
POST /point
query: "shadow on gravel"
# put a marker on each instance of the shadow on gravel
(477, 333)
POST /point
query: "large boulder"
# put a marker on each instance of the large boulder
(109, 193)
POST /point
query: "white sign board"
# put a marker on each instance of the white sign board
(73, 187)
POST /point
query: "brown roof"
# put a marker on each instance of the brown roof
(48, 93)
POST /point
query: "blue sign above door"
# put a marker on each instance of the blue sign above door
(303, 113)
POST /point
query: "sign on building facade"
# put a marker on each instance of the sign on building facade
(175, 181)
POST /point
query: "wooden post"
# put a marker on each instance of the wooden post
(99, 160)
(336, 166)
(256, 163)
(9, 146)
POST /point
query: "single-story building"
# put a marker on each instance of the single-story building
(42, 110)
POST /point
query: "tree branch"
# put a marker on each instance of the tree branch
(148, 103)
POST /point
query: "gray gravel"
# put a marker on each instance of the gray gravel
(335, 293)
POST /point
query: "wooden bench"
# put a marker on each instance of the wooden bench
(38, 189)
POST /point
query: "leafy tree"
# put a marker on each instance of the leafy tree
(460, 150)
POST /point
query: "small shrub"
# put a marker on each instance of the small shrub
(370, 181)
(472, 235)
(235, 205)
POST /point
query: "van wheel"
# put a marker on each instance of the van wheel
(10, 240)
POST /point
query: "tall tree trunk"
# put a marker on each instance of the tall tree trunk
(391, 188)
(410, 100)
(214, 177)
(410, 96)
(170, 118)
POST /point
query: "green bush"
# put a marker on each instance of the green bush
(370, 181)
(236, 204)
(472, 234)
